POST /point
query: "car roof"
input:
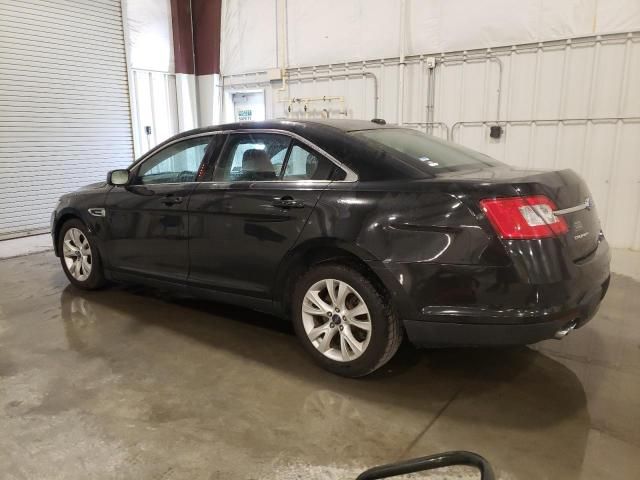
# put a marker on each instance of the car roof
(344, 125)
(293, 125)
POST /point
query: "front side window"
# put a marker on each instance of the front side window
(252, 157)
(177, 163)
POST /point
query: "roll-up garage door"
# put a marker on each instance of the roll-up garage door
(64, 104)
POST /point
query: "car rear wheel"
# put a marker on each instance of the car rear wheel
(344, 322)
(79, 256)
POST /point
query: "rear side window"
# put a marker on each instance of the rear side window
(425, 152)
(307, 164)
(252, 157)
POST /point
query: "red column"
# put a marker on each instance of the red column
(182, 36)
(196, 35)
(206, 35)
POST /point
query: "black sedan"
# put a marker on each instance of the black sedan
(361, 233)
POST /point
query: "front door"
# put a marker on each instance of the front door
(147, 221)
(264, 188)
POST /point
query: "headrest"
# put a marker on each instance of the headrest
(255, 160)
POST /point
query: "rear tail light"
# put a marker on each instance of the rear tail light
(524, 217)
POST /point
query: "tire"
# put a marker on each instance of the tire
(347, 342)
(81, 264)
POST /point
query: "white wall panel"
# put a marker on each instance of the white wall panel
(150, 35)
(336, 31)
(616, 15)
(248, 37)
(595, 80)
(64, 104)
(368, 26)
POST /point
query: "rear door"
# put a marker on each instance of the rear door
(243, 222)
(147, 221)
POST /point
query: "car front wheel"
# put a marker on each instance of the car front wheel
(79, 256)
(344, 322)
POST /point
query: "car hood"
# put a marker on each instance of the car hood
(97, 187)
(92, 186)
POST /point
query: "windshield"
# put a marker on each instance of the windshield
(425, 151)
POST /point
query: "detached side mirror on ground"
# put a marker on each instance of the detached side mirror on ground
(118, 177)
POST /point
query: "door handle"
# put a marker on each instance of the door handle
(171, 200)
(288, 202)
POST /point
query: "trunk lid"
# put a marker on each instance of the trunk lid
(564, 187)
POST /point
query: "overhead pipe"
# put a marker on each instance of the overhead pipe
(402, 65)
(586, 120)
(283, 60)
(306, 100)
(431, 87)
(464, 57)
(342, 75)
(491, 54)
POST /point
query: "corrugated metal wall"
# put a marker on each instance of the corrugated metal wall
(571, 103)
(64, 104)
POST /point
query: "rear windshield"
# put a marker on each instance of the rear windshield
(424, 151)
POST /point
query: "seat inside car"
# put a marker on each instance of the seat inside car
(257, 166)
(312, 165)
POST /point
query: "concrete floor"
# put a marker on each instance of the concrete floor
(130, 383)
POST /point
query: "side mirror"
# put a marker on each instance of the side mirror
(118, 177)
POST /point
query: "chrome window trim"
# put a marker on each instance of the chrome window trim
(301, 182)
(350, 175)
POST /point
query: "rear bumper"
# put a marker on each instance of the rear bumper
(513, 305)
(465, 329)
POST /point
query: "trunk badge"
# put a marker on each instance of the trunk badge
(588, 203)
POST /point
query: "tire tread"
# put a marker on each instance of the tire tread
(395, 334)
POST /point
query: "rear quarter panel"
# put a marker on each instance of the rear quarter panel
(401, 222)
(407, 232)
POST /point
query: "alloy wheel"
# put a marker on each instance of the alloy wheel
(77, 254)
(336, 320)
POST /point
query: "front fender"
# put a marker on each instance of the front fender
(77, 206)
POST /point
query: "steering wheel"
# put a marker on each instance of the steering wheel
(186, 176)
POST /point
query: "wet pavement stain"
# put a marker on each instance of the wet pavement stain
(130, 382)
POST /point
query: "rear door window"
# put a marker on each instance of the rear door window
(252, 157)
